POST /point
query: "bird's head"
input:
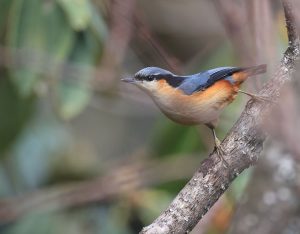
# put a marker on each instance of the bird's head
(149, 77)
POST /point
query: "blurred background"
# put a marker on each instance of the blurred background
(81, 152)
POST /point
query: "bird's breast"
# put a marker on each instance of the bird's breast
(198, 108)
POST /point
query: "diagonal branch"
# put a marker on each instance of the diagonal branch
(243, 145)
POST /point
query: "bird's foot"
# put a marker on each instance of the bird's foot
(220, 152)
(257, 97)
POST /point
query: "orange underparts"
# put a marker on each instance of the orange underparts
(220, 92)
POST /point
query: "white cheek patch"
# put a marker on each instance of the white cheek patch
(149, 85)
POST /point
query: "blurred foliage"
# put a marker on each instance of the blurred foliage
(15, 112)
(62, 32)
(78, 12)
(4, 6)
(171, 139)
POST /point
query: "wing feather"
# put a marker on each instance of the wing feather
(203, 80)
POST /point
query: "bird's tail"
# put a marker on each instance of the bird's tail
(255, 70)
(246, 72)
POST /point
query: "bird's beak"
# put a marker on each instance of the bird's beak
(128, 80)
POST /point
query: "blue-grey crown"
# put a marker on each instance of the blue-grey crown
(150, 73)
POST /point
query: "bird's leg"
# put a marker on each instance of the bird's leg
(256, 97)
(218, 147)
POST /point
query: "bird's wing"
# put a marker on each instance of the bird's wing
(203, 80)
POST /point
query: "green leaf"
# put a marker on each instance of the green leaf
(78, 13)
(42, 141)
(71, 99)
(4, 9)
(73, 92)
(15, 112)
(40, 29)
(59, 36)
(98, 25)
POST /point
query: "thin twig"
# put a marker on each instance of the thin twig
(122, 13)
(145, 34)
(234, 18)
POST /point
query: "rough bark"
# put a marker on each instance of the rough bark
(242, 145)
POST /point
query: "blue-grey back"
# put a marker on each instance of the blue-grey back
(203, 80)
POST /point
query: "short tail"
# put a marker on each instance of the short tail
(255, 70)
(246, 72)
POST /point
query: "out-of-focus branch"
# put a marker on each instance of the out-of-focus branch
(125, 20)
(285, 125)
(263, 36)
(243, 37)
(235, 21)
(122, 180)
(270, 204)
(121, 22)
(249, 27)
(242, 145)
(146, 35)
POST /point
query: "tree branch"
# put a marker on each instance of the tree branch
(243, 146)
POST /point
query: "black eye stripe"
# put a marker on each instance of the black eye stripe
(150, 78)
(172, 80)
(147, 78)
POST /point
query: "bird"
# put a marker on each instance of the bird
(198, 98)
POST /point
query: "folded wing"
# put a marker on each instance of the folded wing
(204, 80)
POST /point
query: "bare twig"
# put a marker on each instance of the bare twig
(145, 34)
(122, 13)
(285, 125)
(234, 19)
(243, 146)
(263, 36)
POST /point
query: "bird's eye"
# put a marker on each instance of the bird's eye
(150, 78)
